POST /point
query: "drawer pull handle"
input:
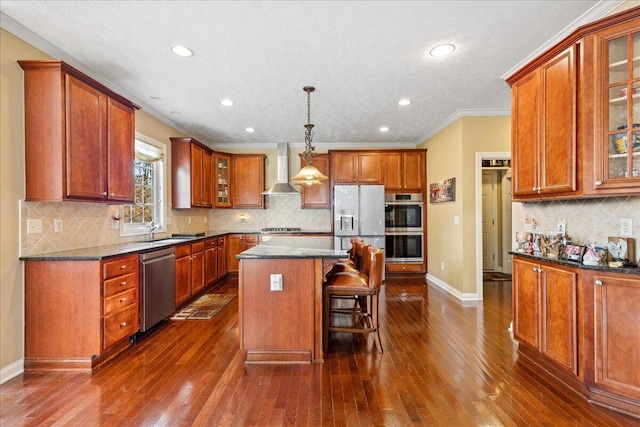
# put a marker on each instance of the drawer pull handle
(124, 282)
(123, 266)
(598, 183)
(123, 324)
(599, 282)
(104, 193)
(123, 299)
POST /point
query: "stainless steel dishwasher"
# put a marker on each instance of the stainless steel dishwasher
(158, 286)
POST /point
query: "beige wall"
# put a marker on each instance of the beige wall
(452, 153)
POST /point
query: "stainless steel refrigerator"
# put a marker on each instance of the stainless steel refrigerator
(358, 211)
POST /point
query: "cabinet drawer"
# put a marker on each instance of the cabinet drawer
(120, 325)
(220, 241)
(118, 301)
(119, 266)
(197, 246)
(212, 243)
(404, 268)
(250, 238)
(119, 284)
(183, 250)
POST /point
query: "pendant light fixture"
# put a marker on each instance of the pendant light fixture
(309, 175)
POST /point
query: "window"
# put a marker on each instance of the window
(149, 194)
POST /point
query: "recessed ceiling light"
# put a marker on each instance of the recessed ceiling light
(384, 129)
(404, 102)
(181, 50)
(226, 102)
(250, 130)
(442, 50)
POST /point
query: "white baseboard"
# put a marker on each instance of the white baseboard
(11, 371)
(453, 291)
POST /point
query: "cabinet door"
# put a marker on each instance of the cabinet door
(344, 167)
(235, 245)
(393, 174)
(207, 179)
(86, 149)
(222, 177)
(317, 197)
(524, 135)
(211, 261)
(617, 333)
(222, 258)
(617, 156)
(121, 142)
(557, 128)
(413, 171)
(370, 168)
(526, 303)
(196, 175)
(197, 272)
(183, 278)
(248, 181)
(558, 308)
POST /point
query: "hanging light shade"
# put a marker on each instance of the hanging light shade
(309, 175)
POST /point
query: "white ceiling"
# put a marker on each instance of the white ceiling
(362, 57)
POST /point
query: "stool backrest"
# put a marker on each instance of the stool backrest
(376, 268)
(362, 263)
(353, 252)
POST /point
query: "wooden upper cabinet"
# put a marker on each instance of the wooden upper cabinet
(352, 167)
(404, 171)
(248, 181)
(79, 136)
(191, 174)
(544, 140)
(617, 110)
(320, 196)
(222, 175)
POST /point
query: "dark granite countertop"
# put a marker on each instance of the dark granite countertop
(579, 265)
(295, 247)
(107, 251)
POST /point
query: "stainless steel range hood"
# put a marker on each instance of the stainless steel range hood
(282, 186)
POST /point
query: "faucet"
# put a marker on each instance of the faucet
(153, 226)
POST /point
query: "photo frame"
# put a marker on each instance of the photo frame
(443, 191)
(573, 252)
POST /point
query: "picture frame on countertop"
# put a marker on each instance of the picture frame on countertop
(573, 252)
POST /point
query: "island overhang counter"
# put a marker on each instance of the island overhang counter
(284, 325)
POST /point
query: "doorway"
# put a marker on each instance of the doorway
(498, 239)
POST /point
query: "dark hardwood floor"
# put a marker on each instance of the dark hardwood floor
(446, 363)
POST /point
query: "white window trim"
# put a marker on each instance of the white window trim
(143, 229)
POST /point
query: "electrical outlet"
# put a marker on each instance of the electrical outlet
(456, 220)
(57, 225)
(34, 226)
(442, 266)
(626, 227)
(205, 219)
(276, 282)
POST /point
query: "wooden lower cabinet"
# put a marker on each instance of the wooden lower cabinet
(222, 258)
(616, 339)
(197, 267)
(583, 327)
(79, 314)
(239, 243)
(183, 273)
(211, 261)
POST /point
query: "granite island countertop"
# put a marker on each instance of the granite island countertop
(295, 247)
(575, 264)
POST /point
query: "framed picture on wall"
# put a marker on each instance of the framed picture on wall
(443, 191)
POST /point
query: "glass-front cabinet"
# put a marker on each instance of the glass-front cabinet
(222, 192)
(620, 156)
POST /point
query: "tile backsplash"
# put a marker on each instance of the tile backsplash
(89, 224)
(589, 220)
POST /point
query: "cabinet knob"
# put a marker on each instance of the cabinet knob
(124, 282)
(112, 194)
(104, 193)
(598, 183)
(599, 282)
(123, 324)
(123, 299)
(123, 266)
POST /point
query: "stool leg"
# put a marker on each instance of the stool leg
(326, 316)
(374, 319)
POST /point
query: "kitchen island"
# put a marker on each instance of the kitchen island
(280, 299)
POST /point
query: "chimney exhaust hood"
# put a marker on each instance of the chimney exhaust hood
(282, 186)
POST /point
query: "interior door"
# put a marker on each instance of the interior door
(489, 220)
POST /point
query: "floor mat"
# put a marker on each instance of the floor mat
(204, 308)
(495, 276)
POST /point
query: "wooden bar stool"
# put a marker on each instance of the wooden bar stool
(363, 287)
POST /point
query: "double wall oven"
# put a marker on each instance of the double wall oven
(404, 230)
